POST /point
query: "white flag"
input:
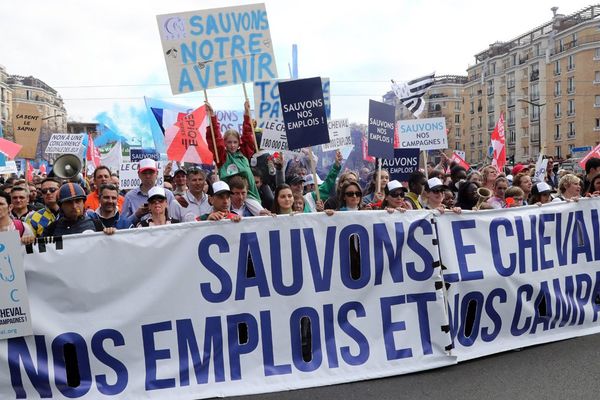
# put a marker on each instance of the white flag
(411, 93)
(114, 158)
(540, 169)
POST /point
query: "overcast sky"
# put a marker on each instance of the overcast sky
(104, 56)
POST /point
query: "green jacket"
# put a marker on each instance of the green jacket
(326, 187)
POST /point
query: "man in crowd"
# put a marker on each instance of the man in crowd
(239, 198)
(220, 196)
(34, 202)
(42, 218)
(416, 185)
(180, 182)
(195, 201)
(19, 200)
(107, 213)
(101, 177)
(592, 168)
(135, 206)
(71, 199)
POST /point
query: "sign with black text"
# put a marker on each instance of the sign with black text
(381, 129)
(426, 134)
(304, 115)
(404, 163)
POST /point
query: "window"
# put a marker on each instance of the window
(597, 124)
(525, 132)
(511, 136)
(535, 72)
(511, 117)
(511, 80)
(490, 87)
(557, 88)
(597, 77)
(472, 108)
(571, 63)
(571, 85)
(457, 145)
(571, 107)
(557, 67)
(28, 94)
(538, 49)
(557, 110)
(472, 123)
(597, 101)
(557, 151)
(571, 148)
(535, 113)
(571, 130)
(597, 54)
(557, 132)
(511, 98)
(457, 118)
(535, 92)
(457, 133)
(457, 106)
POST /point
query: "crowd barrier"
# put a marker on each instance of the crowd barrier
(200, 310)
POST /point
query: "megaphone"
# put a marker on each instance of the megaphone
(67, 166)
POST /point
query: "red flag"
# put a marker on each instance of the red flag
(594, 153)
(29, 171)
(9, 149)
(365, 150)
(43, 168)
(93, 154)
(185, 140)
(499, 145)
(460, 161)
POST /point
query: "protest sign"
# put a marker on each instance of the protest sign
(128, 175)
(339, 135)
(524, 276)
(15, 316)
(303, 110)
(540, 169)
(9, 168)
(27, 123)
(65, 143)
(268, 106)
(217, 47)
(229, 119)
(426, 134)
(378, 316)
(136, 155)
(273, 136)
(381, 129)
(459, 159)
(404, 163)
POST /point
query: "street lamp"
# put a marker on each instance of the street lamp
(539, 123)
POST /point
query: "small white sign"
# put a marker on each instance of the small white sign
(424, 134)
(15, 316)
(128, 175)
(9, 168)
(65, 143)
(273, 135)
(339, 135)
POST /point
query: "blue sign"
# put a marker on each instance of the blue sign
(583, 149)
(404, 163)
(382, 118)
(304, 115)
(139, 154)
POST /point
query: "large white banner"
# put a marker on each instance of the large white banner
(172, 312)
(217, 47)
(521, 276)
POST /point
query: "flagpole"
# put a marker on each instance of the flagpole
(425, 162)
(212, 131)
(314, 173)
(253, 134)
(378, 175)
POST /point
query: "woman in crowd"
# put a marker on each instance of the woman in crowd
(514, 197)
(394, 197)
(298, 206)
(594, 188)
(8, 224)
(541, 193)
(159, 214)
(523, 180)
(370, 195)
(436, 188)
(350, 197)
(569, 188)
(499, 190)
(467, 197)
(332, 201)
(475, 176)
(489, 175)
(284, 200)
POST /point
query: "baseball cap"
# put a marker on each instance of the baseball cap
(156, 192)
(435, 184)
(146, 164)
(308, 180)
(180, 171)
(220, 187)
(295, 179)
(393, 185)
(518, 168)
(541, 188)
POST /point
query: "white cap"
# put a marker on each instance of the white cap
(434, 183)
(393, 185)
(147, 163)
(157, 191)
(220, 187)
(541, 187)
(509, 178)
(308, 180)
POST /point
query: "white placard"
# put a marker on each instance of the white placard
(65, 143)
(424, 134)
(339, 135)
(128, 175)
(9, 168)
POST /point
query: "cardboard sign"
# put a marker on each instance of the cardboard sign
(303, 110)
(339, 135)
(139, 154)
(217, 47)
(27, 123)
(266, 100)
(128, 175)
(404, 163)
(65, 143)
(15, 317)
(426, 134)
(381, 129)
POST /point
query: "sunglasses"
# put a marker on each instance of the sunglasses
(48, 190)
(397, 194)
(353, 194)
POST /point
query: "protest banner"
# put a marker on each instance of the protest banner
(459, 159)
(217, 47)
(339, 135)
(128, 175)
(381, 130)
(426, 134)
(267, 104)
(65, 143)
(404, 163)
(27, 122)
(525, 276)
(15, 315)
(136, 155)
(142, 332)
(303, 110)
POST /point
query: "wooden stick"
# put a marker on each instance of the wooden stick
(314, 173)
(253, 133)
(212, 131)
(425, 161)
(378, 177)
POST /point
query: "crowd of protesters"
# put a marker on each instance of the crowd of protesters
(234, 190)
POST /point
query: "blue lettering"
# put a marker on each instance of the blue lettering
(225, 25)
(220, 71)
(421, 299)
(196, 22)
(152, 355)
(496, 249)
(389, 327)
(185, 82)
(462, 251)
(100, 353)
(421, 251)
(254, 40)
(236, 349)
(475, 299)
(486, 335)
(542, 297)
(381, 242)
(211, 25)
(276, 264)
(514, 328)
(525, 243)
(60, 367)
(221, 41)
(351, 331)
(249, 247)
(329, 332)
(265, 61)
(296, 339)
(219, 272)
(561, 240)
(19, 352)
(583, 295)
(347, 238)
(321, 276)
(565, 306)
(267, 346)
(544, 241)
(580, 241)
(237, 45)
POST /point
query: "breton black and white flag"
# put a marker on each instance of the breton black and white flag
(411, 93)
